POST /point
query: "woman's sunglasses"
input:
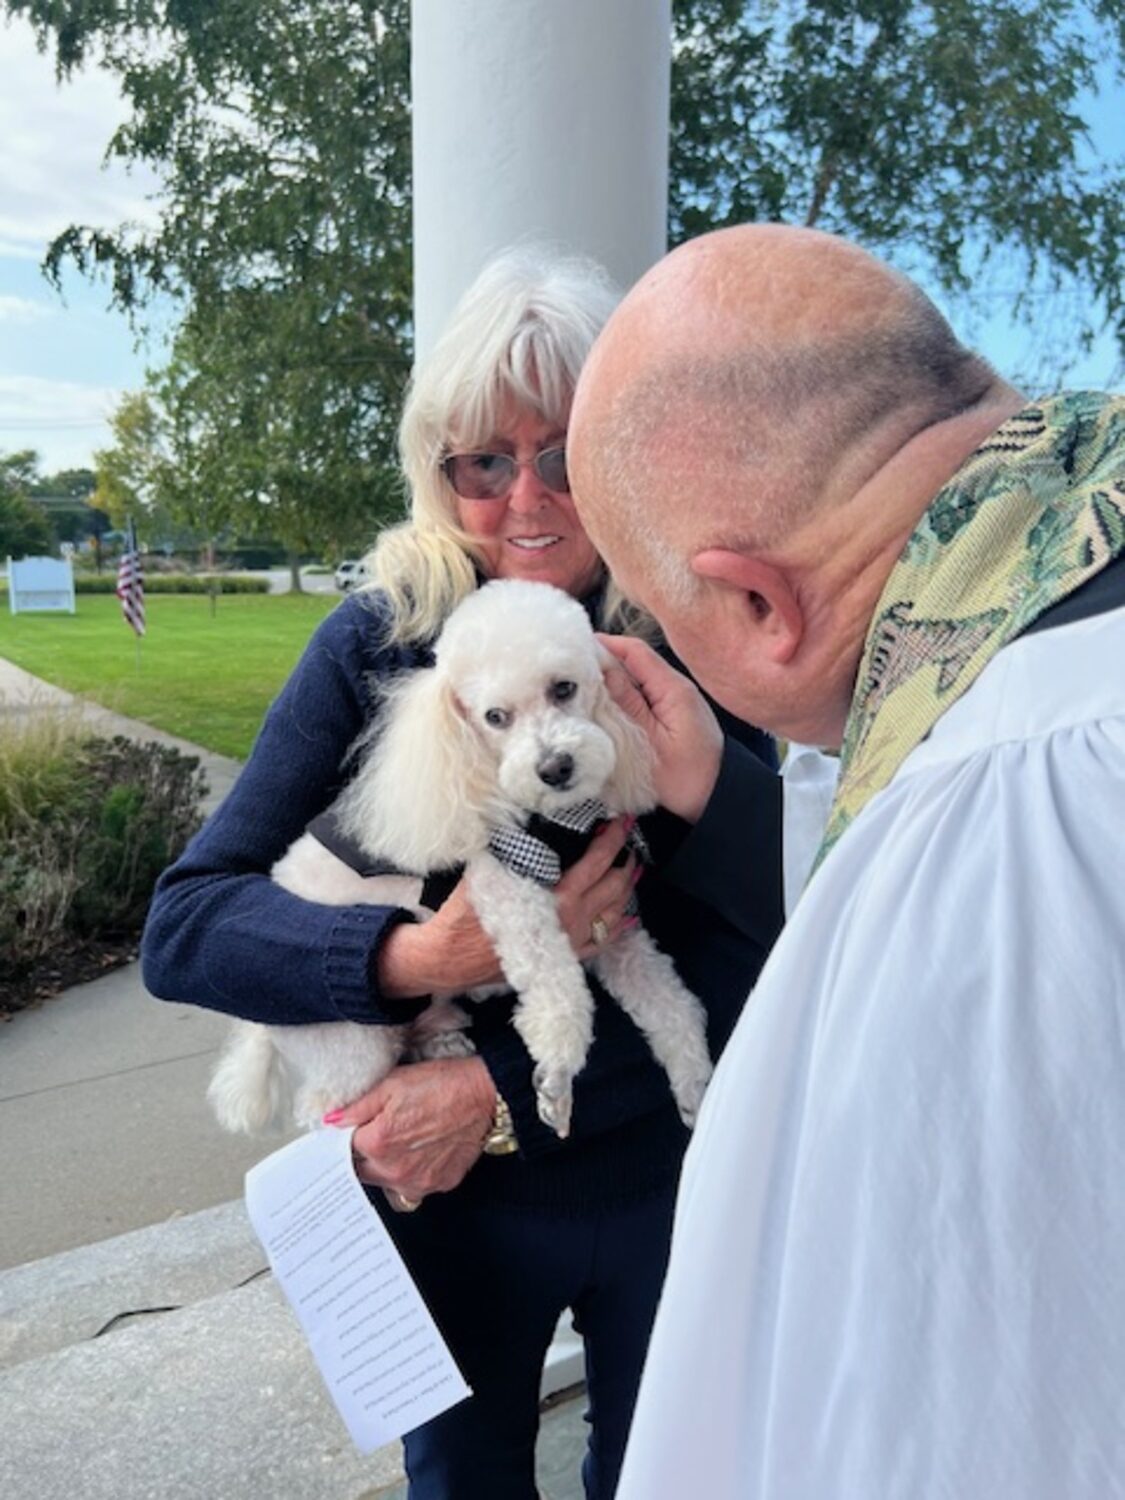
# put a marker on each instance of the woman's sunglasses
(490, 476)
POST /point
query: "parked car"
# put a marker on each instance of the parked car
(350, 573)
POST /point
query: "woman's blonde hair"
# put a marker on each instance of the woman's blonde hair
(518, 337)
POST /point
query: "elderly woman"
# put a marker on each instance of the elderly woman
(503, 1225)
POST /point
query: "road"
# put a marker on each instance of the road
(312, 583)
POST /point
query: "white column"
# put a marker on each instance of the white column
(542, 120)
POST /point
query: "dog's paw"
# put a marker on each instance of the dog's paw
(444, 1044)
(689, 1094)
(553, 1098)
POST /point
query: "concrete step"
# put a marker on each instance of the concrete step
(217, 1401)
(165, 1363)
(87, 1293)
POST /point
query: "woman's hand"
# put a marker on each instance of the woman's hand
(421, 1129)
(677, 722)
(595, 890)
(452, 952)
(448, 954)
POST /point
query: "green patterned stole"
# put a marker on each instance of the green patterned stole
(1028, 518)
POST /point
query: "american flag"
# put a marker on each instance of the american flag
(131, 583)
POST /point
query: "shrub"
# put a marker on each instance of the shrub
(86, 826)
(142, 807)
(262, 555)
(176, 583)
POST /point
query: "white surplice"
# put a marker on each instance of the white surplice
(898, 1270)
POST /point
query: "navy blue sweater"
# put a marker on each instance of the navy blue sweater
(221, 934)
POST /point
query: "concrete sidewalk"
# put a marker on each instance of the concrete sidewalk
(143, 1349)
(102, 1089)
(104, 1121)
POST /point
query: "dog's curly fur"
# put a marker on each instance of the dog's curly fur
(514, 718)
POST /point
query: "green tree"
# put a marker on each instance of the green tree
(127, 474)
(280, 130)
(79, 523)
(64, 498)
(212, 447)
(951, 135)
(140, 477)
(74, 484)
(271, 432)
(24, 530)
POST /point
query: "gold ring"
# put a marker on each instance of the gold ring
(599, 931)
(407, 1205)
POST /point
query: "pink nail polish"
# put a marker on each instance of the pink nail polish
(333, 1117)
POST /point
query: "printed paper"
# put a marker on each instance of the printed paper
(386, 1365)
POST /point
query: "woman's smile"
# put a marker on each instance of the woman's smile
(561, 554)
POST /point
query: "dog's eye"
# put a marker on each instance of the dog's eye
(499, 718)
(559, 692)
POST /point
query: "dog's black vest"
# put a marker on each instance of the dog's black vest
(541, 850)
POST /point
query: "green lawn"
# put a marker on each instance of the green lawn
(206, 677)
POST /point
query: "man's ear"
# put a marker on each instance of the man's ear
(773, 611)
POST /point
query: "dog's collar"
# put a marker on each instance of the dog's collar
(547, 846)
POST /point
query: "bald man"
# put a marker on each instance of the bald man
(899, 1260)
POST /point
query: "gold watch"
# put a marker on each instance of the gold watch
(501, 1138)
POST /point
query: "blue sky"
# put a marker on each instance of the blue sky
(64, 364)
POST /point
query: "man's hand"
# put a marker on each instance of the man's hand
(422, 1128)
(676, 719)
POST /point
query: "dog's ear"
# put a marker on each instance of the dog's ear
(630, 787)
(420, 796)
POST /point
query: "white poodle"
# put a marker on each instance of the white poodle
(511, 731)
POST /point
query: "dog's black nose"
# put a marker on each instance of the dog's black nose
(556, 770)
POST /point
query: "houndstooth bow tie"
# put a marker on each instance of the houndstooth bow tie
(531, 851)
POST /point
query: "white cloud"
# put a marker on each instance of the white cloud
(22, 309)
(10, 250)
(64, 421)
(55, 135)
(64, 362)
(31, 398)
